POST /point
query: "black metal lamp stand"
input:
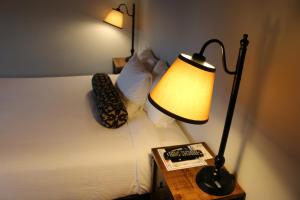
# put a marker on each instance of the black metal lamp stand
(132, 26)
(216, 180)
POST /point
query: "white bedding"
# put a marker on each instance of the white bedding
(51, 146)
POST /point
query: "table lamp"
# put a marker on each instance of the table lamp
(115, 18)
(185, 93)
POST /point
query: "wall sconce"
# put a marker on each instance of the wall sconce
(185, 93)
(115, 18)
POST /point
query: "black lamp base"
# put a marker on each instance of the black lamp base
(219, 186)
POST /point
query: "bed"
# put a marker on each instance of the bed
(52, 147)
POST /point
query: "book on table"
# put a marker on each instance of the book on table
(193, 162)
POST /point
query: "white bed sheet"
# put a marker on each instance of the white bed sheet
(51, 146)
(146, 136)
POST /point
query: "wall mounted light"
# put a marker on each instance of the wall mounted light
(115, 18)
(185, 93)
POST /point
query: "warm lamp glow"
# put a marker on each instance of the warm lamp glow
(115, 17)
(185, 91)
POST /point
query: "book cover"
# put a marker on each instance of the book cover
(188, 163)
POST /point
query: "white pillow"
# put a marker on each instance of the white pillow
(134, 83)
(159, 69)
(147, 57)
(158, 118)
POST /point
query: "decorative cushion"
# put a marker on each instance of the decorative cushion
(158, 118)
(148, 58)
(134, 83)
(111, 110)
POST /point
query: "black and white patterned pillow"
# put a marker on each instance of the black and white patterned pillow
(111, 110)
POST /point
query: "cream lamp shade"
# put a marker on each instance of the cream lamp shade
(115, 18)
(185, 91)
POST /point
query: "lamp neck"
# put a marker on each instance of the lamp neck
(234, 92)
(202, 57)
(132, 25)
(126, 9)
(132, 29)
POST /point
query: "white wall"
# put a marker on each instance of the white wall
(59, 37)
(263, 146)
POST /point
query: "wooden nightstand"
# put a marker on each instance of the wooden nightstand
(182, 185)
(118, 64)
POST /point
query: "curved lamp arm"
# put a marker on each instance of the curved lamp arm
(219, 159)
(201, 57)
(132, 25)
(126, 8)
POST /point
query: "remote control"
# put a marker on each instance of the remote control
(182, 155)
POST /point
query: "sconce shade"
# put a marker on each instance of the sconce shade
(115, 18)
(185, 91)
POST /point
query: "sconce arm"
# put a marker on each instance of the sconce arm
(132, 25)
(126, 8)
